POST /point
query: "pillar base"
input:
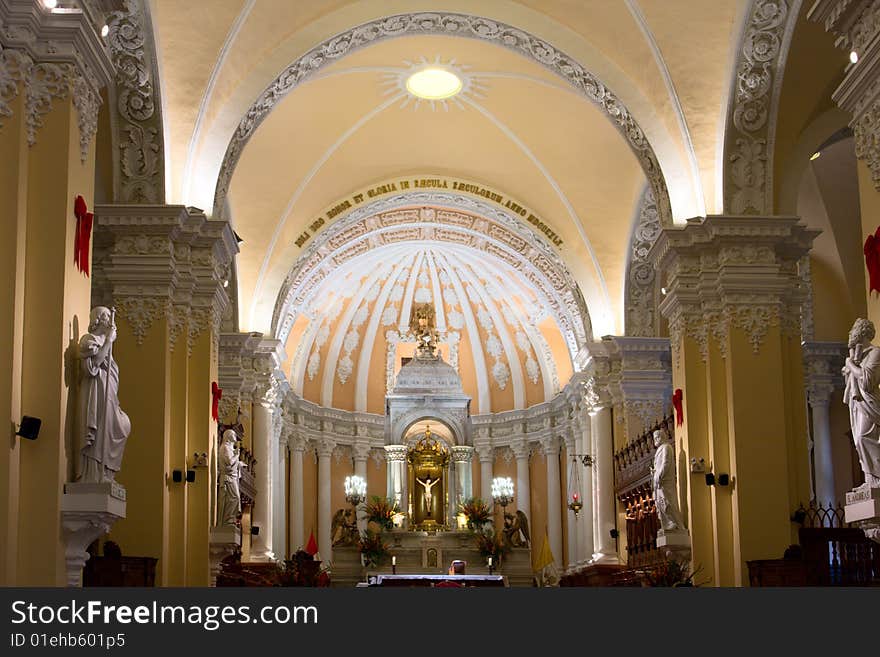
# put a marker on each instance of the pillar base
(224, 542)
(676, 545)
(600, 558)
(88, 511)
(863, 509)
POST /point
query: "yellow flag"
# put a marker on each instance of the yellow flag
(545, 557)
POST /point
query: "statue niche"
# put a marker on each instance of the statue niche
(428, 468)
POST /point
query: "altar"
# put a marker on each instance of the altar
(425, 557)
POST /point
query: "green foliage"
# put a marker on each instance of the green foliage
(489, 544)
(375, 552)
(381, 511)
(477, 512)
(671, 573)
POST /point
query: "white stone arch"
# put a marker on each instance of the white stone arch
(457, 422)
(461, 25)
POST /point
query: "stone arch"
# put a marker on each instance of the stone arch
(461, 25)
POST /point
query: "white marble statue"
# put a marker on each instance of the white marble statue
(862, 375)
(665, 496)
(229, 473)
(427, 484)
(103, 426)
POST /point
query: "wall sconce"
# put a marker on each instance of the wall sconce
(200, 460)
(698, 464)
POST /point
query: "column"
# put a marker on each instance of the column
(486, 454)
(573, 520)
(297, 446)
(823, 362)
(261, 544)
(522, 450)
(604, 502)
(361, 453)
(162, 268)
(325, 452)
(819, 399)
(395, 459)
(52, 69)
(550, 449)
(279, 486)
(585, 539)
(733, 305)
(462, 455)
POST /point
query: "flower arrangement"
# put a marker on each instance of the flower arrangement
(477, 512)
(373, 550)
(302, 570)
(381, 511)
(489, 544)
(671, 573)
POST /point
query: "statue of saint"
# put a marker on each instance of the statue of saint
(665, 496)
(862, 376)
(229, 473)
(103, 426)
(427, 484)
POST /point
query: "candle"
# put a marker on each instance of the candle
(394, 560)
(490, 562)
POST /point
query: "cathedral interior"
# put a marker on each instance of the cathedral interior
(440, 292)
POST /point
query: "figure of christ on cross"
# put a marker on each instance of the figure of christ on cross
(427, 484)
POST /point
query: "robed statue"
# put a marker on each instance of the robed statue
(861, 374)
(516, 530)
(664, 485)
(229, 474)
(103, 426)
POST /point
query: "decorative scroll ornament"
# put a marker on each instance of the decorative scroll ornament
(141, 312)
(139, 128)
(15, 69)
(460, 25)
(640, 279)
(755, 98)
(46, 83)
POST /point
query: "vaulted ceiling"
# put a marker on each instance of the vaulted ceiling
(566, 110)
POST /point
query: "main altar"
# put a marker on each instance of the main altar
(429, 455)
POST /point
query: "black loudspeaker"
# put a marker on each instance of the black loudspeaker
(255, 530)
(190, 476)
(614, 533)
(710, 479)
(29, 427)
(723, 479)
(176, 476)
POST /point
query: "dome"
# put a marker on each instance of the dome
(427, 374)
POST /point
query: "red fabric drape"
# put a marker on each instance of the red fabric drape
(82, 235)
(872, 260)
(216, 394)
(677, 398)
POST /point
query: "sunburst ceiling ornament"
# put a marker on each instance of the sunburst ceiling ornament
(436, 83)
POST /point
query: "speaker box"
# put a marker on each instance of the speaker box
(176, 476)
(29, 427)
(190, 476)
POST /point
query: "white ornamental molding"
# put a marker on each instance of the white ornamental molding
(138, 128)
(142, 312)
(733, 272)
(751, 121)
(461, 25)
(641, 290)
(460, 220)
(857, 26)
(15, 70)
(823, 362)
(52, 55)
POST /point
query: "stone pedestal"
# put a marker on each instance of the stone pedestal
(224, 541)
(88, 511)
(675, 544)
(863, 509)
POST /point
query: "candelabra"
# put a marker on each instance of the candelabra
(502, 491)
(355, 490)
